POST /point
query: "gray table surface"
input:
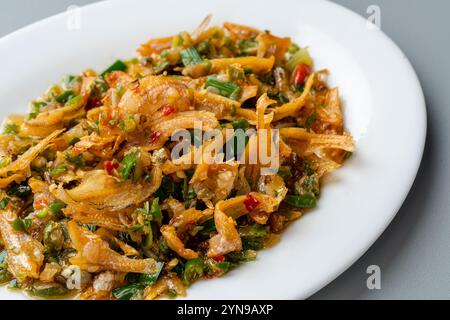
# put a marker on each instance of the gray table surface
(414, 251)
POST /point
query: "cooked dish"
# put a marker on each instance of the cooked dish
(95, 203)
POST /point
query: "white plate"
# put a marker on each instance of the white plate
(384, 110)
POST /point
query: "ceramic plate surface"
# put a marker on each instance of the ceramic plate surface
(382, 98)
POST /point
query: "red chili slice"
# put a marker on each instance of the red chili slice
(251, 203)
(110, 166)
(168, 110)
(219, 259)
(300, 73)
(154, 136)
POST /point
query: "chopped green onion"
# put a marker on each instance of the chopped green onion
(226, 89)
(203, 47)
(235, 73)
(70, 79)
(35, 109)
(129, 291)
(155, 210)
(4, 161)
(248, 70)
(150, 279)
(247, 46)
(293, 48)
(160, 66)
(21, 224)
(136, 227)
(74, 141)
(148, 242)
(49, 290)
(188, 192)
(77, 160)
(301, 56)
(242, 256)
(11, 128)
(4, 202)
(56, 209)
(58, 170)
(5, 276)
(128, 163)
(190, 56)
(42, 214)
(303, 202)
(65, 96)
(310, 120)
(285, 172)
(225, 265)
(253, 231)
(193, 270)
(282, 98)
(74, 102)
(177, 40)
(119, 65)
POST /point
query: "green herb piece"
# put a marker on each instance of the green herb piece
(193, 270)
(160, 66)
(74, 141)
(21, 224)
(69, 80)
(226, 89)
(5, 276)
(177, 41)
(311, 120)
(150, 279)
(253, 236)
(235, 73)
(49, 290)
(282, 98)
(208, 228)
(74, 102)
(247, 46)
(300, 56)
(188, 192)
(253, 231)
(3, 255)
(248, 70)
(224, 265)
(303, 202)
(285, 172)
(190, 56)
(65, 96)
(42, 214)
(136, 227)
(36, 109)
(128, 164)
(240, 126)
(129, 291)
(4, 203)
(59, 170)
(56, 209)
(293, 48)
(119, 65)
(4, 161)
(11, 128)
(76, 160)
(155, 210)
(242, 256)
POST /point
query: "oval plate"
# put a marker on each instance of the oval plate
(382, 98)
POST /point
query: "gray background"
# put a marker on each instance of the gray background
(414, 252)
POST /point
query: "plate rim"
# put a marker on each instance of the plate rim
(414, 81)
